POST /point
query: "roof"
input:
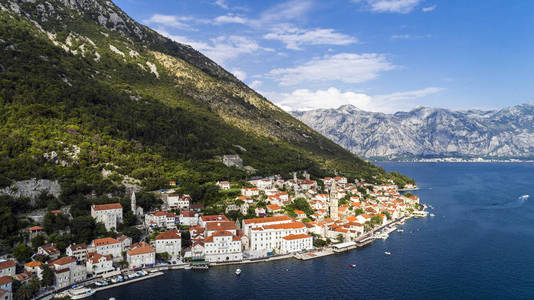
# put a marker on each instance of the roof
(5, 280)
(105, 241)
(75, 247)
(296, 237)
(7, 264)
(50, 249)
(267, 220)
(188, 214)
(213, 218)
(95, 257)
(169, 235)
(35, 228)
(273, 206)
(64, 260)
(225, 225)
(298, 212)
(33, 264)
(106, 206)
(292, 225)
(142, 248)
(221, 233)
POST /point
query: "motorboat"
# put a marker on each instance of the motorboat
(387, 253)
(352, 265)
(400, 230)
(432, 215)
(237, 272)
(80, 292)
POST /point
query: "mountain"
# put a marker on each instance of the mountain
(96, 101)
(428, 132)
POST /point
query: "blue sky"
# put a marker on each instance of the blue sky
(379, 55)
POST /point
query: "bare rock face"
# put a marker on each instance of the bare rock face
(424, 132)
(32, 188)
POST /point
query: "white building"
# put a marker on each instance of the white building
(161, 219)
(212, 227)
(224, 185)
(108, 246)
(108, 214)
(268, 238)
(211, 218)
(188, 218)
(258, 222)
(177, 201)
(170, 242)
(295, 243)
(97, 264)
(7, 268)
(223, 246)
(68, 272)
(141, 255)
(250, 192)
(49, 250)
(79, 251)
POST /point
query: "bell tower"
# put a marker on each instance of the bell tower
(333, 201)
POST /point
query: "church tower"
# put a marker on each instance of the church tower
(333, 201)
(133, 204)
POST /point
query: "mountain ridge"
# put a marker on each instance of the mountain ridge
(428, 132)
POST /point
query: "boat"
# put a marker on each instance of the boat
(188, 267)
(80, 293)
(400, 230)
(352, 265)
(432, 215)
(387, 253)
(237, 272)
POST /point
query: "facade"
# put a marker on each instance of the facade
(296, 243)
(141, 255)
(223, 246)
(170, 242)
(188, 218)
(161, 219)
(176, 201)
(126, 242)
(211, 218)
(97, 264)
(6, 288)
(7, 268)
(258, 222)
(108, 214)
(49, 250)
(212, 227)
(78, 251)
(333, 202)
(33, 266)
(268, 238)
(108, 246)
(224, 185)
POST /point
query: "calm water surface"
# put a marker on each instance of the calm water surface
(480, 245)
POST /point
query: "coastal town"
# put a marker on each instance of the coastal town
(269, 218)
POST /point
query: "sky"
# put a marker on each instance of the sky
(378, 55)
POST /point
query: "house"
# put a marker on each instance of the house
(176, 201)
(223, 246)
(300, 214)
(63, 263)
(213, 227)
(126, 242)
(170, 242)
(141, 255)
(7, 268)
(33, 266)
(296, 243)
(260, 211)
(232, 161)
(61, 278)
(274, 208)
(49, 250)
(188, 218)
(247, 224)
(108, 214)
(79, 251)
(224, 185)
(250, 192)
(23, 277)
(35, 231)
(268, 238)
(108, 246)
(97, 264)
(161, 219)
(211, 218)
(197, 250)
(6, 287)
(67, 272)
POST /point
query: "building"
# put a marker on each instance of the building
(79, 251)
(35, 231)
(258, 222)
(6, 287)
(296, 243)
(108, 246)
(33, 266)
(141, 255)
(61, 278)
(49, 250)
(268, 238)
(188, 218)
(223, 246)
(232, 161)
(161, 219)
(250, 192)
(67, 272)
(7, 268)
(126, 242)
(211, 218)
(212, 227)
(197, 250)
(136, 210)
(170, 242)
(97, 264)
(108, 214)
(177, 201)
(333, 202)
(224, 185)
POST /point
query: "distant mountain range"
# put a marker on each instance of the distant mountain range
(427, 132)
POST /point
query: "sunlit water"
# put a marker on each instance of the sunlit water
(480, 245)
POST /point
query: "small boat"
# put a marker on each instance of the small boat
(188, 267)
(352, 265)
(237, 272)
(400, 230)
(432, 215)
(80, 293)
(387, 253)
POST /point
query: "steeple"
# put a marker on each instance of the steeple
(133, 204)
(333, 201)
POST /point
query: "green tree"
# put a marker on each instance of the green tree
(38, 240)
(22, 253)
(48, 276)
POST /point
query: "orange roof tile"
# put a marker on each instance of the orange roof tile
(142, 248)
(107, 206)
(267, 220)
(33, 264)
(169, 235)
(296, 237)
(105, 241)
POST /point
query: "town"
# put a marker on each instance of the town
(265, 219)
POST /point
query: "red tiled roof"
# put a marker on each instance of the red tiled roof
(188, 214)
(296, 237)
(267, 220)
(64, 260)
(292, 225)
(225, 225)
(105, 241)
(106, 206)
(95, 257)
(35, 228)
(169, 235)
(33, 264)
(5, 280)
(213, 218)
(142, 248)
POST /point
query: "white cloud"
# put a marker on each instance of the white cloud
(294, 37)
(169, 21)
(255, 84)
(344, 67)
(391, 6)
(229, 19)
(410, 36)
(430, 8)
(304, 99)
(239, 74)
(289, 10)
(221, 4)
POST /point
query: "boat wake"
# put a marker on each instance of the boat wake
(513, 204)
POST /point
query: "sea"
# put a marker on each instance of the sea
(479, 245)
